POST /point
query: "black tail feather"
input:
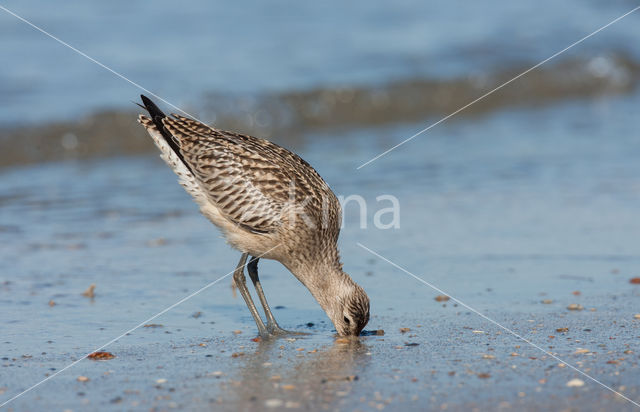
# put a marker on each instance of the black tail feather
(156, 116)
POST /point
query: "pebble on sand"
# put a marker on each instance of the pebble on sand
(82, 379)
(636, 316)
(442, 298)
(575, 383)
(273, 403)
(575, 306)
(101, 356)
(635, 281)
(90, 292)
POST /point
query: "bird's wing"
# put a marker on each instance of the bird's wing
(235, 172)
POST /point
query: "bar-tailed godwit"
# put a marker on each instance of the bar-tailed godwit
(269, 203)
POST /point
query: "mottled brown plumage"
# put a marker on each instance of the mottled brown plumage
(269, 203)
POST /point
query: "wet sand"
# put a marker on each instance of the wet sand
(447, 358)
(519, 229)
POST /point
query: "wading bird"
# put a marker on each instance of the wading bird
(269, 203)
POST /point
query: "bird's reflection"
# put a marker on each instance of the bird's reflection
(279, 374)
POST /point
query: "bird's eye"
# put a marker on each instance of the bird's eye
(347, 321)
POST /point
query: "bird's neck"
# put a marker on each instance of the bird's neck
(325, 280)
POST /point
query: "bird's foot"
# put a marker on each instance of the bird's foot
(275, 331)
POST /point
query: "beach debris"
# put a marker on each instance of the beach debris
(562, 330)
(237, 354)
(478, 332)
(405, 330)
(376, 332)
(442, 298)
(288, 387)
(52, 303)
(82, 379)
(237, 332)
(613, 362)
(153, 325)
(575, 383)
(256, 339)
(581, 351)
(636, 316)
(634, 281)
(90, 292)
(575, 306)
(484, 375)
(487, 356)
(576, 293)
(196, 315)
(161, 381)
(411, 344)
(547, 301)
(100, 355)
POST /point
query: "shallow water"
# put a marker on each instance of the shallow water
(184, 53)
(501, 212)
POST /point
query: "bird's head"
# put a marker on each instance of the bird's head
(350, 311)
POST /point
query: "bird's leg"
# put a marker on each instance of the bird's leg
(241, 284)
(272, 325)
